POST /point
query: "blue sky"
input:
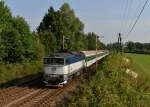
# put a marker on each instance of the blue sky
(104, 17)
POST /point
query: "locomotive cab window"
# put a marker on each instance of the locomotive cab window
(54, 61)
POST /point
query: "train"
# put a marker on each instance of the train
(60, 68)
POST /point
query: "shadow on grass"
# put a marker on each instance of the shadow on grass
(22, 81)
(31, 81)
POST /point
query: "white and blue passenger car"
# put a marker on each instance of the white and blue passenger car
(61, 67)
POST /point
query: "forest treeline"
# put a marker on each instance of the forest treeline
(22, 50)
(131, 47)
(136, 47)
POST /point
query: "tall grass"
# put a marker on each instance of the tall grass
(9, 72)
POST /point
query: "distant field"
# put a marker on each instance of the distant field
(141, 65)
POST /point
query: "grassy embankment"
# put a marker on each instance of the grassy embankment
(10, 73)
(141, 65)
(110, 86)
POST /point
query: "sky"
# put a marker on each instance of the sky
(104, 17)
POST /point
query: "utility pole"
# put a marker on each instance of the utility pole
(119, 43)
(97, 37)
(96, 50)
(63, 42)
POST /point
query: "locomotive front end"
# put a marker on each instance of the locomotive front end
(55, 71)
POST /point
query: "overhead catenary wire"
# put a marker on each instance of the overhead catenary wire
(128, 15)
(135, 13)
(137, 19)
(125, 15)
(125, 6)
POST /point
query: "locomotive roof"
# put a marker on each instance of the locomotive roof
(92, 52)
(65, 55)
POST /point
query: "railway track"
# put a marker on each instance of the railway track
(15, 92)
(32, 97)
(29, 99)
(51, 99)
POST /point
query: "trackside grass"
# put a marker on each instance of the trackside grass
(11, 72)
(141, 65)
(110, 86)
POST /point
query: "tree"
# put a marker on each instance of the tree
(5, 23)
(2, 49)
(80, 42)
(61, 23)
(130, 46)
(50, 24)
(49, 41)
(48, 21)
(112, 46)
(147, 46)
(5, 16)
(71, 24)
(17, 43)
(12, 46)
(101, 45)
(56, 25)
(137, 47)
(27, 39)
(21, 25)
(91, 41)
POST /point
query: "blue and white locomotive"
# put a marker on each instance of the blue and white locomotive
(61, 67)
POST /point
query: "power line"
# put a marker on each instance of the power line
(137, 18)
(126, 2)
(128, 15)
(135, 14)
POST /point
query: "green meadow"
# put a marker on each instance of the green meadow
(141, 65)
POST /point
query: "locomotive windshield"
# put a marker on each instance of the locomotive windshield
(54, 61)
